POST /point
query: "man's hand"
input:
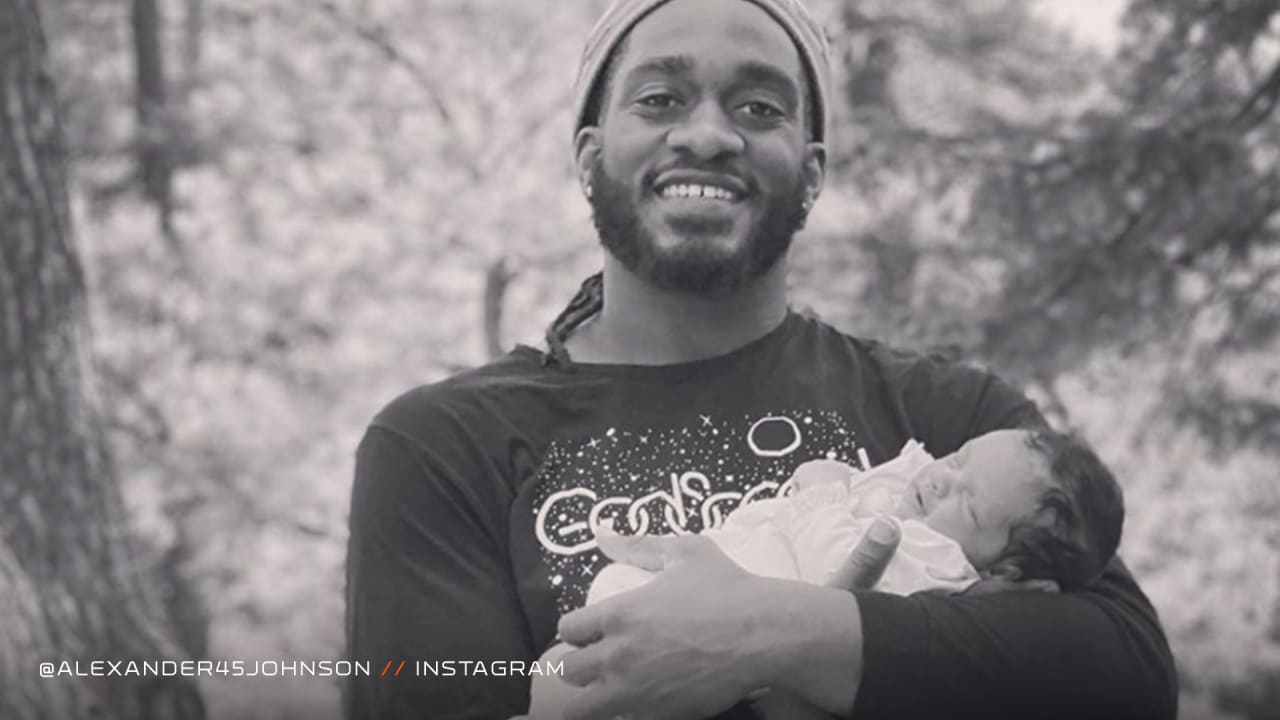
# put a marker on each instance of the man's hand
(705, 633)
(782, 705)
(861, 570)
(683, 646)
(1002, 584)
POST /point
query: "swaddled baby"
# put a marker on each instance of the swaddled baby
(1022, 505)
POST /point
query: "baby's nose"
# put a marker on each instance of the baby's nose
(939, 485)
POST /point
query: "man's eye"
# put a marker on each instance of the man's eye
(762, 109)
(658, 100)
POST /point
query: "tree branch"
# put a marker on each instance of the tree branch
(380, 39)
(1262, 102)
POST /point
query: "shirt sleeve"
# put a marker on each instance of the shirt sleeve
(952, 403)
(429, 581)
(1098, 652)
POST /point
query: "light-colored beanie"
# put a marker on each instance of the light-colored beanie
(623, 15)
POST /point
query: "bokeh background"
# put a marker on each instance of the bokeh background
(289, 212)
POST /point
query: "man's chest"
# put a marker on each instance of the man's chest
(680, 473)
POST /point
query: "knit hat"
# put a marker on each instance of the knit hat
(623, 15)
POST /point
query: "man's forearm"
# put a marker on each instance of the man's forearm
(815, 644)
(1012, 655)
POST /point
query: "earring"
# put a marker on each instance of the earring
(587, 189)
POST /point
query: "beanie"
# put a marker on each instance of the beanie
(623, 15)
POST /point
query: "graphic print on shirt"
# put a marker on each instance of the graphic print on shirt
(675, 480)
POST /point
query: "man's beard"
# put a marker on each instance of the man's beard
(693, 267)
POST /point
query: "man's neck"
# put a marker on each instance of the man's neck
(645, 325)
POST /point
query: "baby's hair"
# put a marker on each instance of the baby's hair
(1085, 508)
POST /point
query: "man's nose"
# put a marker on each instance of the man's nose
(707, 133)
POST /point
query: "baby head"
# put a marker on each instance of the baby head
(1023, 504)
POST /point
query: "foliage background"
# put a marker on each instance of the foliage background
(359, 184)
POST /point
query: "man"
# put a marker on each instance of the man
(477, 501)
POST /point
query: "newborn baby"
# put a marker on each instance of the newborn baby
(1017, 504)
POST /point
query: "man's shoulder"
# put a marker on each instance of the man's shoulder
(890, 359)
(937, 382)
(496, 387)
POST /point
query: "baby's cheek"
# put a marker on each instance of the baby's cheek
(943, 520)
(975, 545)
(985, 548)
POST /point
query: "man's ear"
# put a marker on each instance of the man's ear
(815, 171)
(586, 148)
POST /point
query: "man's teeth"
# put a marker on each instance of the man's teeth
(698, 191)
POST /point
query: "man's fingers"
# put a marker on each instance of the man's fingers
(654, 553)
(868, 560)
(651, 552)
(581, 666)
(647, 552)
(1038, 586)
(819, 472)
(599, 703)
(1000, 584)
(583, 626)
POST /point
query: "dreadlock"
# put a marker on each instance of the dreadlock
(588, 302)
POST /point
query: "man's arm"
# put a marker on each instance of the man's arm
(627, 663)
(1093, 653)
(427, 580)
(1096, 653)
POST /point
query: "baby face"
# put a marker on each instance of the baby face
(976, 494)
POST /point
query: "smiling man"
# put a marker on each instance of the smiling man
(695, 195)
(675, 391)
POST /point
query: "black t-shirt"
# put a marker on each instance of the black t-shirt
(474, 499)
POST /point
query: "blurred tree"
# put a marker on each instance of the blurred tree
(1106, 231)
(496, 280)
(192, 46)
(1151, 225)
(155, 168)
(1135, 210)
(71, 589)
(371, 173)
(868, 87)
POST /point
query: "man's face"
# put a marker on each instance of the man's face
(978, 493)
(701, 168)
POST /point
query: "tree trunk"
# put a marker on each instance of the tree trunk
(496, 280)
(68, 591)
(154, 136)
(192, 47)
